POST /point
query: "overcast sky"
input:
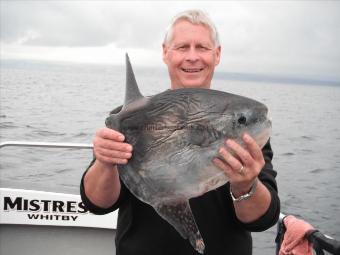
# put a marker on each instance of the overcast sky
(281, 37)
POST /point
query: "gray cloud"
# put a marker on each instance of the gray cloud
(82, 23)
(296, 36)
(291, 37)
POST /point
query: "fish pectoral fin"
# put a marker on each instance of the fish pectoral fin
(203, 136)
(179, 215)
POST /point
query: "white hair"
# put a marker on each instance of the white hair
(195, 17)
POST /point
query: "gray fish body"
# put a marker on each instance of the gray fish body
(175, 136)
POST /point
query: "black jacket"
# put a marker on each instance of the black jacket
(140, 230)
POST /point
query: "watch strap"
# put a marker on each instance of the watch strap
(247, 195)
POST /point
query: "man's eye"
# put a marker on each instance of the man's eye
(182, 48)
(202, 48)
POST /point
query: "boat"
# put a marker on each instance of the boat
(40, 222)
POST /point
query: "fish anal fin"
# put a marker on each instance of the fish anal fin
(179, 215)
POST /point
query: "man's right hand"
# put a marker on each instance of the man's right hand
(101, 182)
(109, 147)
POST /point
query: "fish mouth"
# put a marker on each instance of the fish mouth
(192, 70)
(262, 135)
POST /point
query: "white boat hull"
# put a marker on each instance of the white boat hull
(37, 222)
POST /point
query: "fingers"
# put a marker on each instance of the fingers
(253, 147)
(225, 167)
(111, 153)
(245, 158)
(111, 161)
(233, 163)
(107, 133)
(112, 145)
(110, 148)
(241, 164)
(249, 156)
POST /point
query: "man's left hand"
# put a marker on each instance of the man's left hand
(241, 165)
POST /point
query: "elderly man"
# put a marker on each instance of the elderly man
(225, 216)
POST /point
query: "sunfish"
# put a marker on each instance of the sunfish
(175, 136)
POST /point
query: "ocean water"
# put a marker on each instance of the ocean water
(58, 102)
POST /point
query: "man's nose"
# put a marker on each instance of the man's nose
(192, 54)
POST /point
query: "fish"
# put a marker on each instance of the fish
(175, 135)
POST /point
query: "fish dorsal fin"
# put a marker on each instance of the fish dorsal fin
(132, 92)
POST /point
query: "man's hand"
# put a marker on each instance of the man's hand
(109, 147)
(241, 165)
(101, 182)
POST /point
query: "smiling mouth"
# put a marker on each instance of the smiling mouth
(191, 70)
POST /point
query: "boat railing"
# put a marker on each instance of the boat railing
(46, 144)
(320, 242)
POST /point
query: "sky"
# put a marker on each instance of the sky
(292, 38)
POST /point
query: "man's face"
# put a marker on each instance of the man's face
(191, 56)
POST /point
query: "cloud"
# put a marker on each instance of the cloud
(269, 37)
(299, 37)
(78, 24)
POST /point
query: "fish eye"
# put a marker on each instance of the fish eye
(242, 120)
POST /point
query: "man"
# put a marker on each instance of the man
(225, 216)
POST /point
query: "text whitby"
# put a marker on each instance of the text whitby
(45, 209)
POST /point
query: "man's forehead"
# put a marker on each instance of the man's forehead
(185, 32)
(182, 24)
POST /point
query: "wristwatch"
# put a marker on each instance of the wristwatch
(247, 195)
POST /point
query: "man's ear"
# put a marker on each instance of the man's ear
(165, 53)
(218, 55)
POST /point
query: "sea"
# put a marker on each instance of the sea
(68, 102)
